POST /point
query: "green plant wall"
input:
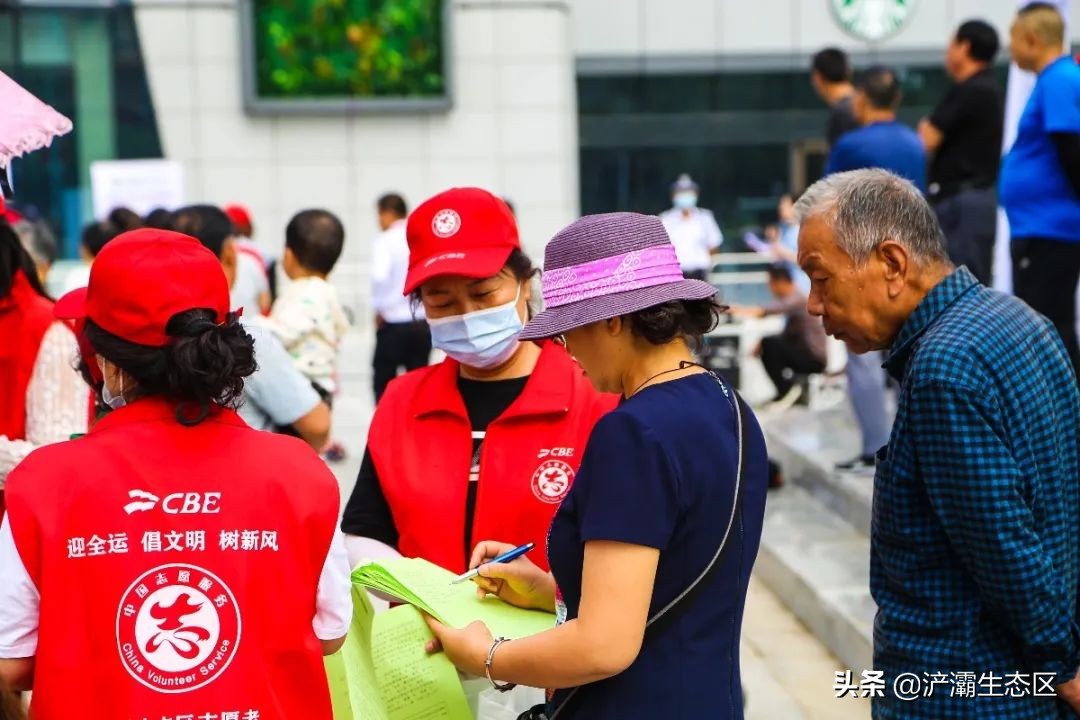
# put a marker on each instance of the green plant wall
(327, 49)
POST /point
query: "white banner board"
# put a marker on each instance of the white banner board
(141, 185)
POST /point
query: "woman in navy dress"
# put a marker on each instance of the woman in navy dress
(653, 503)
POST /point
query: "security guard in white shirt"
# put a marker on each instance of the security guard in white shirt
(693, 230)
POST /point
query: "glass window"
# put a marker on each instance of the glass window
(742, 134)
(8, 42)
(43, 38)
(86, 63)
(688, 93)
(737, 182)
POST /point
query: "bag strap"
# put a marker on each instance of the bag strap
(682, 602)
(663, 617)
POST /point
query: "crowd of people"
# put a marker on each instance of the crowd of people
(172, 544)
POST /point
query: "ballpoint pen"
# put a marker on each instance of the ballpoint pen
(504, 558)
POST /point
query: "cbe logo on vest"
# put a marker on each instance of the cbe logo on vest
(551, 481)
(181, 503)
(177, 628)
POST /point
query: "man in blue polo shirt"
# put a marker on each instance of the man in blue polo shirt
(884, 143)
(1040, 177)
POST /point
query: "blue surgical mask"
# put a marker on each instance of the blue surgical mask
(685, 200)
(113, 401)
(481, 339)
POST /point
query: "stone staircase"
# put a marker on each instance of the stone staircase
(815, 549)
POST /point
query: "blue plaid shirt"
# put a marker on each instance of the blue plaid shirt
(975, 537)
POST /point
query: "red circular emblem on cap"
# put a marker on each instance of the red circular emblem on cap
(177, 628)
(552, 480)
(446, 223)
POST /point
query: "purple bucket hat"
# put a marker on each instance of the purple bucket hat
(604, 266)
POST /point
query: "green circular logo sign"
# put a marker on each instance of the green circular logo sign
(872, 20)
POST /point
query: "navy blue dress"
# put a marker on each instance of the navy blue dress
(660, 471)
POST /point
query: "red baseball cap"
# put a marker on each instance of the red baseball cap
(144, 277)
(239, 215)
(463, 231)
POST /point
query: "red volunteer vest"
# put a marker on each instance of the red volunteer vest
(25, 316)
(421, 443)
(177, 568)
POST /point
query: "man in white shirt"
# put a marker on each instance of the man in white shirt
(402, 339)
(693, 230)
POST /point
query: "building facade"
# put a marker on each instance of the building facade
(563, 106)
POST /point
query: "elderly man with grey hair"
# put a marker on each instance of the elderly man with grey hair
(975, 537)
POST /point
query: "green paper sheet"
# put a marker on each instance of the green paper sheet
(427, 587)
(383, 673)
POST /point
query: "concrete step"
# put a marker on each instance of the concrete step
(808, 444)
(818, 565)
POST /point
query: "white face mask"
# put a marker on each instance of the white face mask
(481, 339)
(685, 200)
(113, 401)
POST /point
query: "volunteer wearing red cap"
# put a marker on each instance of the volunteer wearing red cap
(251, 287)
(486, 443)
(241, 220)
(42, 400)
(173, 562)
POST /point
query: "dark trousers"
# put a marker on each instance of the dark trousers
(399, 345)
(1045, 275)
(969, 221)
(780, 356)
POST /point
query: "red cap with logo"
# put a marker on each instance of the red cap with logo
(240, 216)
(144, 277)
(463, 231)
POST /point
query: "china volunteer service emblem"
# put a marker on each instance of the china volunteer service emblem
(446, 223)
(551, 481)
(873, 20)
(177, 628)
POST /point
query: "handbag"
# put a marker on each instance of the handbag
(663, 617)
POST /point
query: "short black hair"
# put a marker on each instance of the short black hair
(780, 272)
(832, 64)
(881, 87)
(160, 219)
(691, 320)
(316, 238)
(982, 39)
(126, 219)
(206, 223)
(96, 235)
(393, 203)
(204, 363)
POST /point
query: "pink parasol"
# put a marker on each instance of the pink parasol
(26, 123)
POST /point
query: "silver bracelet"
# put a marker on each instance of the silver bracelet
(504, 687)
